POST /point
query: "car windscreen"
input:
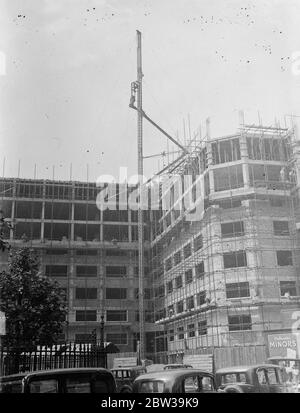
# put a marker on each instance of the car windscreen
(233, 378)
(13, 386)
(152, 386)
(85, 384)
(44, 385)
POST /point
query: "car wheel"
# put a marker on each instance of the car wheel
(127, 390)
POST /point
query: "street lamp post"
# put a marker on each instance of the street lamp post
(3, 247)
(102, 350)
(102, 333)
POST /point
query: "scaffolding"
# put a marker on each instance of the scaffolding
(229, 278)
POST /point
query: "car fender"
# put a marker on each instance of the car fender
(233, 389)
(126, 389)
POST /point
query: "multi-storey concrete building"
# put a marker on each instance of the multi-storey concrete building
(230, 275)
(91, 253)
(222, 270)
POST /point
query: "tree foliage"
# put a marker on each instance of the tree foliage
(34, 305)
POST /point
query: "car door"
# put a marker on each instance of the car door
(262, 385)
(274, 380)
(198, 383)
(88, 383)
(43, 384)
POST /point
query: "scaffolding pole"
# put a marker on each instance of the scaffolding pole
(140, 206)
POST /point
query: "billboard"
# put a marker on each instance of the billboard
(284, 345)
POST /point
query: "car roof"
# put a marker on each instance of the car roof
(179, 364)
(18, 376)
(56, 371)
(129, 368)
(165, 375)
(242, 369)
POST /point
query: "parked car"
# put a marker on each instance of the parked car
(177, 366)
(79, 380)
(125, 377)
(175, 381)
(260, 378)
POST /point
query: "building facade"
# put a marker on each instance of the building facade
(92, 254)
(222, 269)
(230, 275)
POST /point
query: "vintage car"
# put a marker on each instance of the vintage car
(260, 378)
(177, 366)
(125, 377)
(175, 381)
(73, 380)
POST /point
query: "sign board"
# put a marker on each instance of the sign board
(284, 345)
(124, 362)
(200, 361)
(2, 324)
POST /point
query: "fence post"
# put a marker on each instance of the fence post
(1, 357)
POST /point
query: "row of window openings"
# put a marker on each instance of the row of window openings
(235, 323)
(233, 290)
(91, 315)
(239, 258)
(236, 229)
(116, 338)
(87, 252)
(231, 260)
(91, 271)
(63, 211)
(258, 148)
(229, 229)
(93, 252)
(199, 272)
(110, 293)
(82, 232)
(91, 232)
(232, 177)
(111, 315)
(184, 253)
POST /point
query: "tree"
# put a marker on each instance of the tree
(34, 305)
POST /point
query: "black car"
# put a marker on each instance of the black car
(79, 380)
(125, 377)
(175, 381)
(260, 378)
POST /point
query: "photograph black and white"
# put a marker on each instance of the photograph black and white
(150, 198)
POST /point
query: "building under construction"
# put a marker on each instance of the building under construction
(221, 270)
(230, 275)
(92, 254)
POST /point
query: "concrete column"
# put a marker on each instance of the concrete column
(72, 221)
(101, 226)
(244, 158)
(42, 221)
(210, 171)
(13, 207)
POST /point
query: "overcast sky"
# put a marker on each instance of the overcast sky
(69, 65)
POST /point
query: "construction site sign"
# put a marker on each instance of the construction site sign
(124, 362)
(283, 345)
(199, 361)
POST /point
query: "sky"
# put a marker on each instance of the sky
(66, 67)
